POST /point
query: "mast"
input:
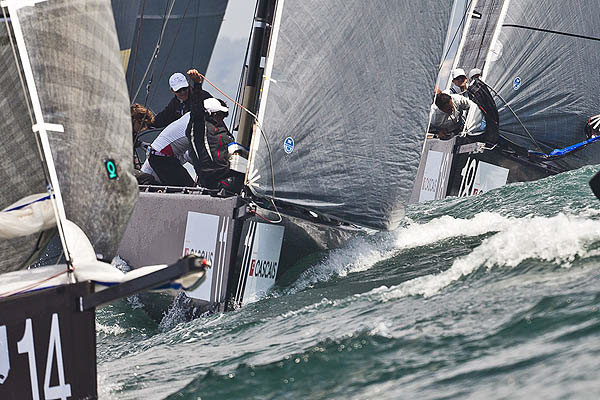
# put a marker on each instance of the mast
(253, 81)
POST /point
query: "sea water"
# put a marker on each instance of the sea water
(489, 297)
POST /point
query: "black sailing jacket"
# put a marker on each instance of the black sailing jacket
(209, 142)
(175, 110)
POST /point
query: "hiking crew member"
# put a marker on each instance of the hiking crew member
(209, 138)
(449, 113)
(179, 104)
(459, 83)
(475, 73)
(167, 153)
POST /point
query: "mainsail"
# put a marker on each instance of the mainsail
(541, 57)
(190, 31)
(78, 82)
(345, 103)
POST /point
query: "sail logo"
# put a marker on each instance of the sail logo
(288, 145)
(517, 83)
(111, 169)
(263, 269)
(206, 254)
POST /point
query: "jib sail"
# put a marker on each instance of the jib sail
(344, 105)
(74, 80)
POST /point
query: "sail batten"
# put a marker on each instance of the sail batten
(345, 110)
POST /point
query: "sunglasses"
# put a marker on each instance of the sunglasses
(182, 90)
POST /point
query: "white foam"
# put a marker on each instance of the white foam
(362, 254)
(559, 239)
(114, 330)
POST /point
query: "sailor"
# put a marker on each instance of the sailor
(167, 154)
(141, 118)
(475, 73)
(459, 83)
(179, 104)
(448, 114)
(209, 138)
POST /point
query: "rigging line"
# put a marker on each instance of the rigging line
(162, 72)
(462, 21)
(515, 114)
(195, 33)
(262, 132)
(551, 31)
(166, 18)
(137, 46)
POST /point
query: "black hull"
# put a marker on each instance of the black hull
(458, 167)
(46, 325)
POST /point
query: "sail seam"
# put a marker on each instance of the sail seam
(575, 35)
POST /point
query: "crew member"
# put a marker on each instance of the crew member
(209, 138)
(167, 154)
(459, 83)
(448, 114)
(475, 73)
(180, 103)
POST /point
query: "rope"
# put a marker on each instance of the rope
(137, 46)
(515, 114)
(258, 125)
(166, 18)
(162, 72)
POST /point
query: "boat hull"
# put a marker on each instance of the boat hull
(452, 168)
(44, 338)
(246, 252)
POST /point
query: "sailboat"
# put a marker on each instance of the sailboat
(537, 61)
(335, 111)
(67, 172)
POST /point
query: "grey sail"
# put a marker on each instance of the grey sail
(544, 65)
(125, 13)
(351, 86)
(188, 41)
(74, 55)
(22, 170)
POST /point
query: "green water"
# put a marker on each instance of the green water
(491, 297)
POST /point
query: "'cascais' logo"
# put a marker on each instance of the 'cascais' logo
(263, 269)
(206, 254)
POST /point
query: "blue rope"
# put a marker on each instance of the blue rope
(28, 204)
(563, 152)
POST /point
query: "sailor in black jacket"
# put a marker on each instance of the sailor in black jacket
(208, 137)
(179, 104)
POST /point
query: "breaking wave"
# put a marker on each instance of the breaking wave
(560, 240)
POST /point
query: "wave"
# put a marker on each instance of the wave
(560, 240)
(361, 254)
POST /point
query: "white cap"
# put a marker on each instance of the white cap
(213, 105)
(473, 72)
(458, 72)
(178, 81)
